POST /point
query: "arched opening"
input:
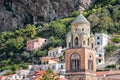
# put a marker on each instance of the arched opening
(69, 44)
(90, 62)
(76, 41)
(92, 45)
(88, 41)
(75, 62)
(83, 42)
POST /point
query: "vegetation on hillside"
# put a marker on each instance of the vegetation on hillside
(110, 48)
(116, 39)
(103, 15)
(12, 46)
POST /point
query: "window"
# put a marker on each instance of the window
(98, 37)
(88, 41)
(61, 66)
(90, 64)
(90, 56)
(53, 67)
(82, 29)
(99, 61)
(49, 54)
(83, 42)
(69, 44)
(92, 45)
(100, 55)
(45, 40)
(76, 29)
(56, 52)
(98, 43)
(76, 41)
(75, 61)
(53, 54)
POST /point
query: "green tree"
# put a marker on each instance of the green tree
(53, 42)
(30, 31)
(116, 39)
(116, 12)
(59, 29)
(110, 48)
(15, 43)
(93, 19)
(41, 53)
(25, 55)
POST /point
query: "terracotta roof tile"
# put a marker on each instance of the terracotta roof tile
(40, 72)
(1, 77)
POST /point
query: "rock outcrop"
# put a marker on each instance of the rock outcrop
(17, 13)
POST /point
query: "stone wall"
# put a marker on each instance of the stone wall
(17, 13)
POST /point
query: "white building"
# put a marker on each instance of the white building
(23, 73)
(56, 67)
(53, 61)
(55, 52)
(13, 77)
(101, 41)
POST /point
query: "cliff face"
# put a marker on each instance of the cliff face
(17, 13)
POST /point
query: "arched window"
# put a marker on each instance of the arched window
(88, 41)
(92, 45)
(75, 61)
(76, 41)
(90, 62)
(83, 42)
(69, 44)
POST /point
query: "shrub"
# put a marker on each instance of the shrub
(116, 39)
(112, 66)
(11, 72)
(75, 13)
(110, 48)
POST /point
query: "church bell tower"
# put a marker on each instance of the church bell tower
(80, 55)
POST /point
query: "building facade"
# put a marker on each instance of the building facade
(35, 44)
(58, 68)
(80, 55)
(101, 41)
(56, 52)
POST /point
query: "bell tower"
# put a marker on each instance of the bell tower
(80, 53)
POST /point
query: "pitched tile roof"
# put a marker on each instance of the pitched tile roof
(40, 72)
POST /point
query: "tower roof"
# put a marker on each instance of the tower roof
(81, 18)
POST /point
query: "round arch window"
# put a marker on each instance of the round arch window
(90, 62)
(75, 61)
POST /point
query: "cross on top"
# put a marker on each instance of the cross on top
(81, 10)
